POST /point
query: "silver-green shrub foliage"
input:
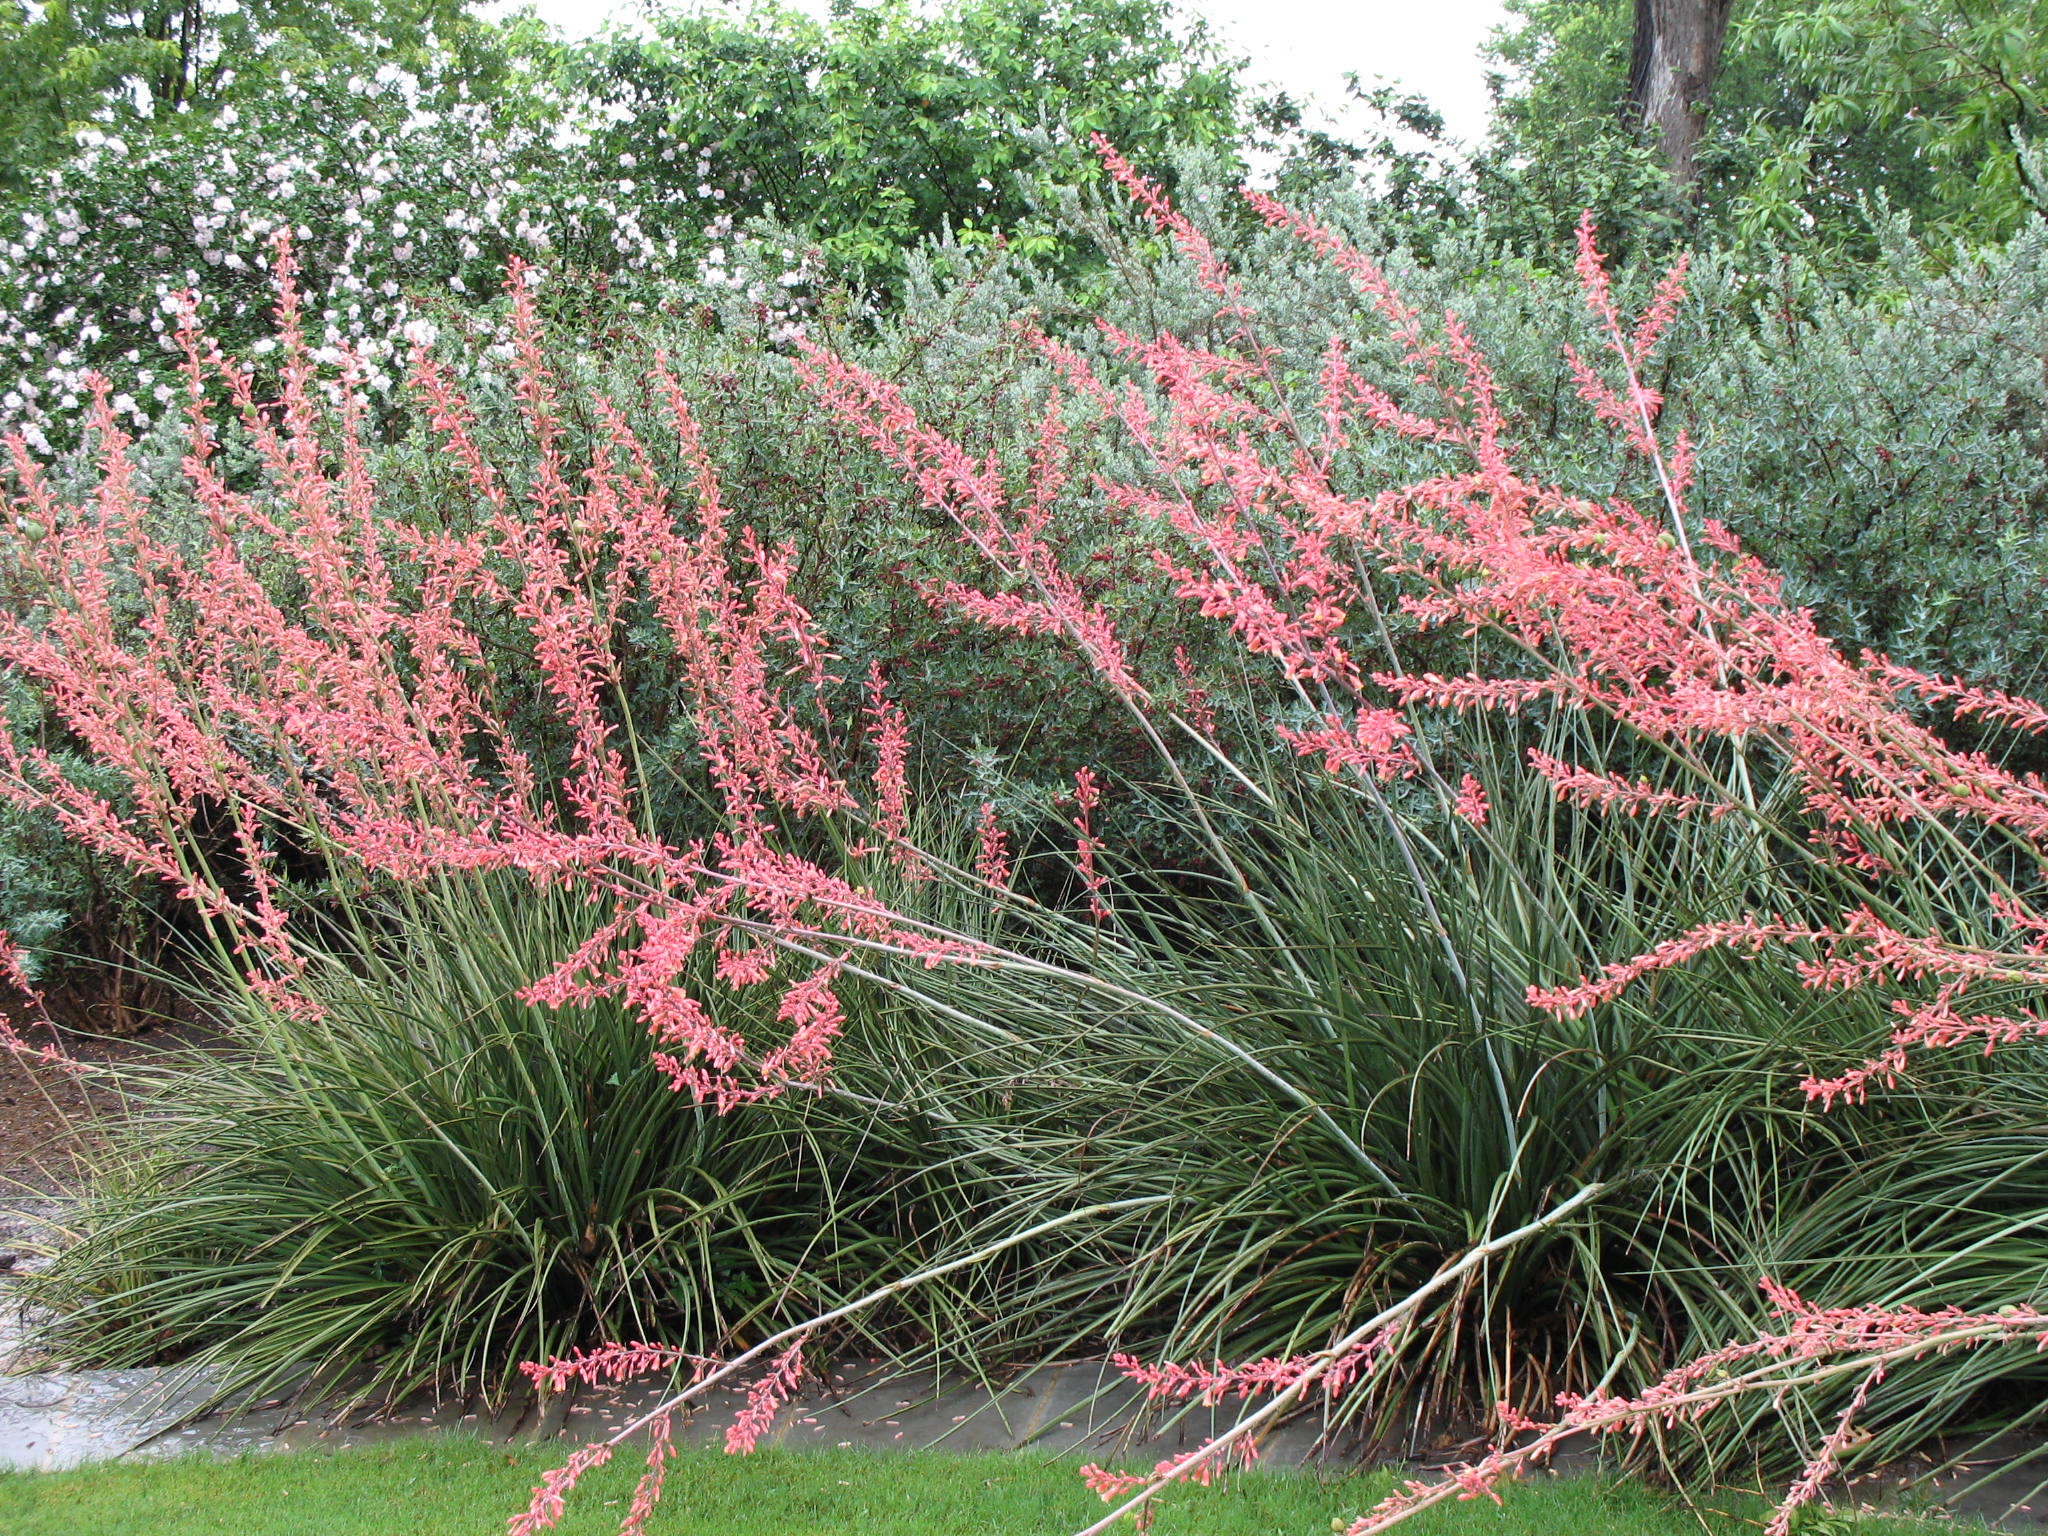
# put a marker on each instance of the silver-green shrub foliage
(1886, 448)
(1889, 452)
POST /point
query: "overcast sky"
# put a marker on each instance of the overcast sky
(1303, 46)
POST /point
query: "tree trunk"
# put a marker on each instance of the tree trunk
(1671, 75)
(188, 48)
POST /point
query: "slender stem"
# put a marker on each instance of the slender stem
(1004, 960)
(1774, 1377)
(873, 1298)
(1323, 1359)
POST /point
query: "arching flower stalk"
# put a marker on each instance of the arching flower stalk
(1657, 622)
(354, 726)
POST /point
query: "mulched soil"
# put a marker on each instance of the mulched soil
(50, 1116)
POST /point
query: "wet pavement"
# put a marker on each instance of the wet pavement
(52, 1417)
(1083, 1407)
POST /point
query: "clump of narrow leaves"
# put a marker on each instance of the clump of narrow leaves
(1679, 786)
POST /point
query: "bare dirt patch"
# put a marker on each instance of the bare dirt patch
(53, 1118)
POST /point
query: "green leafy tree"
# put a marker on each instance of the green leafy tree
(1565, 139)
(887, 124)
(1954, 90)
(1674, 60)
(67, 63)
(404, 208)
(1826, 114)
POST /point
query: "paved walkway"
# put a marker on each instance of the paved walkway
(52, 1418)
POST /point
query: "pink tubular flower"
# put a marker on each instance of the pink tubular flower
(1194, 1466)
(889, 733)
(550, 1500)
(647, 1492)
(357, 719)
(1578, 1000)
(992, 852)
(811, 1008)
(608, 1363)
(1195, 697)
(764, 1398)
(1046, 599)
(1471, 803)
(1812, 1344)
(1191, 241)
(1088, 795)
(1210, 1384)
(13, 973)
(1374, 743)
(617, 1362)
(1824, 1462)
(1653, 619)
(1610, 791)
(1930, 1026)
(1990, 704)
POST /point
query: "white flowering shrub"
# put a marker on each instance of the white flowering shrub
(405, 202)
(638, 167)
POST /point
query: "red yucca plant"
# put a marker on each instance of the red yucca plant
(356, 721)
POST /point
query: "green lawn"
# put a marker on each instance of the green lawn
(459, 1487)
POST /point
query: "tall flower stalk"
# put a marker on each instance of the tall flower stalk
(1656, 621)
(308, 682)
